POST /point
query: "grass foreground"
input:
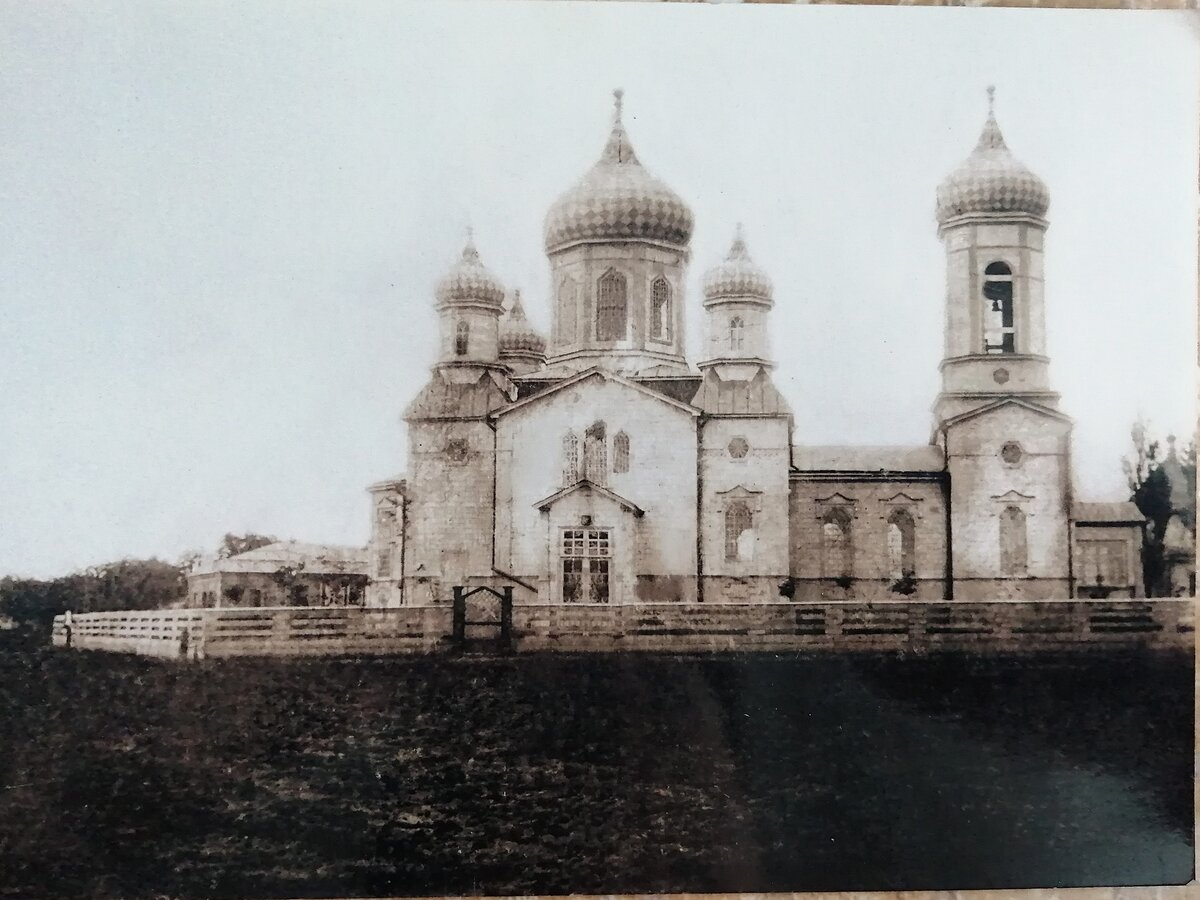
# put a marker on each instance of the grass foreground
(129, 777)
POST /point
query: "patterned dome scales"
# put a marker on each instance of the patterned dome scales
(737, 276)
(469, 280)
(517, 335)
(991, 180)
(618, 200)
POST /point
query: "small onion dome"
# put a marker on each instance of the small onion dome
(469, 279)
(991, 180)
(516, 334)
(738, 275)
(618, 200)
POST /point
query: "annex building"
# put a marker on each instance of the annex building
(602, 465)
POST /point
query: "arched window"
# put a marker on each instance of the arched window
(610, 306)
(738, 536)
(837, 552)
(902, 544)
(462, 332)
(660, 309)
(570, 458)
(736, 333)
(621, 452)
(568, 298)
(1014, 558)
(595, 453)
(999, 332)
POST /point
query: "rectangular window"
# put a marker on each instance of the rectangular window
(585, 565)
(599, 580)
(572, 587)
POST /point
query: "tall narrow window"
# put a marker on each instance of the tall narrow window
(570, 458)
(462, 332)
(660, 310)
(568, 298)
(836, 548)
(736, 333)
(738, 522)
(902, 544)
(621, 452)
(1013, 551)
(611, 306)
(595, 453)
(999, 332)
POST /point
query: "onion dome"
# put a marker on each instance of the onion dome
(991, 180)
(738, 276)
(470, 280)
(516, 334)
(618, 200)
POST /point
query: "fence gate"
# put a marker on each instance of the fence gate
(483, 619)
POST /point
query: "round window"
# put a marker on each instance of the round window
(739, 447)
(1000, 376)
(1012, 453)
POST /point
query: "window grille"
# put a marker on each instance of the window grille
(621, 452)
(586, 557)
(738, 521)
(570, 458)
(611, 306)
(660, 310)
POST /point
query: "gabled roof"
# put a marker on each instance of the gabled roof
(596, 372)
(756, 397)
(445, 399)
(584, 484)
(1119, 513)
(1004, 401)
(897, 458)
(399, 483)
(316, 559)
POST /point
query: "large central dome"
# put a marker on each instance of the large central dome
(618, 200)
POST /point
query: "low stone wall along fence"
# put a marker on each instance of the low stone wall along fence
(997, 626)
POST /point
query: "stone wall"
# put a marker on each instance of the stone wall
(869, 502)
(984, 483)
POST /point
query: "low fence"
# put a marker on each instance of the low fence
(273, 631)
(980, 626)
(989, 626)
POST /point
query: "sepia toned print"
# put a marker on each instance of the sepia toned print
(624, 619)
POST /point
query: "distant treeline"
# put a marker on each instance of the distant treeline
(127, 584)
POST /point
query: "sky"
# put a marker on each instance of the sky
(221, 225)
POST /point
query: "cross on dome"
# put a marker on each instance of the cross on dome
(991, 180)
(618, 200)
(618, 149)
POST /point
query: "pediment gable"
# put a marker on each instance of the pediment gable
(598, 489)
(597, 374)
(1004, 403)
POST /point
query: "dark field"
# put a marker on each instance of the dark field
(129, 777)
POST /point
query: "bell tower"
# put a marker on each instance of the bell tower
(1007, 446)
(992, 222)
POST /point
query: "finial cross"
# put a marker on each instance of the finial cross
(991, 92)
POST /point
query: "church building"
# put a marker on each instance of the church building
(602, 465)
